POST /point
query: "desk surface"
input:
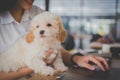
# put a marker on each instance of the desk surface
(84, 74)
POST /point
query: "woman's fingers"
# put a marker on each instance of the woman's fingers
(98, 61)
(83, 61)
(103, 61)
(50, 61)
(48, 53)
(86, 65)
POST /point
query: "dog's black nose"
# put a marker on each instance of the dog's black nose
(42, 32)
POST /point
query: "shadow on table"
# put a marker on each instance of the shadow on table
(84, 74)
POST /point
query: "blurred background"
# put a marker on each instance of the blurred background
(86, 20)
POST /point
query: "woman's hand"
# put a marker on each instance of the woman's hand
(15, 75)
(48, 53)
(83, 61)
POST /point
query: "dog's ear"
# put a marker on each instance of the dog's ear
(29, 37)
(62, 32)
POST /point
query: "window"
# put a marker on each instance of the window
(40, 3)
(86, 17)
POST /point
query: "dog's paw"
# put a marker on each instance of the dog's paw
(5, 69)
(61, 68)
(16, 67)
(48, 71)
(8, 68)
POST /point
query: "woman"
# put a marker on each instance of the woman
(15, 17)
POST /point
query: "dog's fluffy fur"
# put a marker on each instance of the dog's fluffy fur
(46, 32)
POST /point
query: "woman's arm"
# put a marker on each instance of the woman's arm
(66, 56)
(83, 61)
(15, 75)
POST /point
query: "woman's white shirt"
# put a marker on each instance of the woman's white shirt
(11, 30)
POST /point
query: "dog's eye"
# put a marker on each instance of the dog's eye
(49, 25)
(37, 26)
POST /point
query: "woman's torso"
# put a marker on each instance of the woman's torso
(11, 30)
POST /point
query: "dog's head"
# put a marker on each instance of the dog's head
(46, 25)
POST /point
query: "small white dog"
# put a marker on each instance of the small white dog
(46, 32)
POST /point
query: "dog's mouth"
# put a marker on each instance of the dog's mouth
(42, 36)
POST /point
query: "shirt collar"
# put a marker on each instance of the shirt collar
(26, 16)
(6, 17)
